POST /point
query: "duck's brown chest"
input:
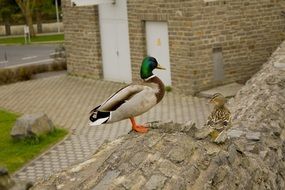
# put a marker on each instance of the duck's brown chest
(160, 88)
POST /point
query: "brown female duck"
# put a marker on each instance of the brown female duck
(221, 115)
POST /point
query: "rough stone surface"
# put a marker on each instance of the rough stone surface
(280, 65)
(260, 106)
(8, 183)
(235, 133)
(221, 138)
(228, 90)
(253, 136)
(3, 171)
(170, 156)
(130, 163)
(32, 125)
(203, 133)
(155, 182)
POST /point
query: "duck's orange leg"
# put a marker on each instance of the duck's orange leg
(138, 128)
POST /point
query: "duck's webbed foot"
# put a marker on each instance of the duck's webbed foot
(138, 128)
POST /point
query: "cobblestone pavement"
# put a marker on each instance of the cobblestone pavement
(68, 100)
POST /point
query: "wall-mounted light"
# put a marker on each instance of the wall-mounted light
(90, 2)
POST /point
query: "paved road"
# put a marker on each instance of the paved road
(25, 54)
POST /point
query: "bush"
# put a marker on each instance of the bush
(22, 73)
(168, 88)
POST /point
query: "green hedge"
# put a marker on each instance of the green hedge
(22, 73)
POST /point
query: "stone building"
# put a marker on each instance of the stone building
(202, 43)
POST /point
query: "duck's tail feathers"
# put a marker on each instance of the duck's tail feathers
(98, 118)
(94, 110)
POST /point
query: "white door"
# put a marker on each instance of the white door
(158, 47)
(115, 41)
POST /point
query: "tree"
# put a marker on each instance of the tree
(37, 8)
(39, 4)
(6, 11)
(26, 7)
(43, 8)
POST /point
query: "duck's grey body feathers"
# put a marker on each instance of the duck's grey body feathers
(130, 101)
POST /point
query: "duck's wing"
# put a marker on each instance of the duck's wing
(120, 97)
(138, 104)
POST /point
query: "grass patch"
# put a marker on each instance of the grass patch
(14, 154)
(21, 40)
(168, 88)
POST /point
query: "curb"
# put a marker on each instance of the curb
(33, 43)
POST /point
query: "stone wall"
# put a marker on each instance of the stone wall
(246, 31)
(82, 40)
(170, 158)
(260, 104)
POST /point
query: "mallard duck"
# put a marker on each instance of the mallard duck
(132, 100)
(221, 115)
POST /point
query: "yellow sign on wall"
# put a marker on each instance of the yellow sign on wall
(158, 42)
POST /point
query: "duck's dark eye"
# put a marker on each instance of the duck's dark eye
(152, 59)
(155, 64)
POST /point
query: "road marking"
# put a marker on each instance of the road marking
(31, 63)
(54, 53)
(30, 57)
(40, 61)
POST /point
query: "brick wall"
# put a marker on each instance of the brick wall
(247, 31)
(82, 40)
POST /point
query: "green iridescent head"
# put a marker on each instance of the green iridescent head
(148, 65)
